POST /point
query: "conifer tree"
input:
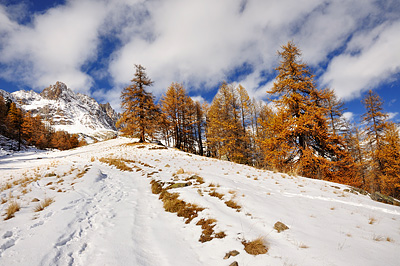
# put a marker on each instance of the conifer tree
(225, 134)
(199, 122)
(174, 105)
(300, 139)
(3, 114)
(378, 133)
(140, 114)
(390, 180)
(335, 108)
(14, 121)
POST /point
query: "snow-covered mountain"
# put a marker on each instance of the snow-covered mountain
(122, 203)
(66, 110)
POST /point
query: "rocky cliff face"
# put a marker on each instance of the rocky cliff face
(66, 110)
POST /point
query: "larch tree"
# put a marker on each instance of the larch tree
(199, 125)
(140, 114)
(3, 114)
(15, 119)
(390, 180)
(335, 108)
(378, 134)
(300, 140)
(225, 134)
(174, 105)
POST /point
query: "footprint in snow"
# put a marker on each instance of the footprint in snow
(37, 224)
(7, 234)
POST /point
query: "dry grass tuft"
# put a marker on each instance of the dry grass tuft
(3, 200)
(189, 212)
(372, 220)
(208, 233)
(13, 207)
(82, 173)
(232, 204)
(41, 206)
(255, 247)
(156, 187)
(378, 238)
(6, 186)
(118, 163)
(216, 194)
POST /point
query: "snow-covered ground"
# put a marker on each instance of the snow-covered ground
(105, 216)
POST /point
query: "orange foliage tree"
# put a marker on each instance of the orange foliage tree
(383, 147)
(300, 139)
(140, 114)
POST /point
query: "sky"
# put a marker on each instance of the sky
(351, 46)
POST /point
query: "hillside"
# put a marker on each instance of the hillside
(104, 212)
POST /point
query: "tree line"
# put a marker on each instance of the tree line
(300, 130)
(28, 129)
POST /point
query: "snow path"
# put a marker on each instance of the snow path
(105, 216)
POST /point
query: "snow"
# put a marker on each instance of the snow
(105, 216)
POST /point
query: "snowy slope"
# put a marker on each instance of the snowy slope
(105, 216)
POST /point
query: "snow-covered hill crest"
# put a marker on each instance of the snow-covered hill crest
(66, 110)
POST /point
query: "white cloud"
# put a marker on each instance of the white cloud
(55, 46)
(200, 43)
(371, 58)
(348, 116)
(392, 115)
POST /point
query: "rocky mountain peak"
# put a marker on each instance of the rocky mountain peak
(56, 91)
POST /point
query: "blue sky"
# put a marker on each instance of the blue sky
(92, 45)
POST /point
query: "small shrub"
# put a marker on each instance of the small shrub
(255, 247)
(41, 206)
(13, 207)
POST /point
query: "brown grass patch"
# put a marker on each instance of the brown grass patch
(41, 206)
(6, 186)
(156, 187)
(232, 204)
(216, 194)
(255, 247)
(13, 207)
(189, 212)
(118, 163)
(208, 233)
(82, 173)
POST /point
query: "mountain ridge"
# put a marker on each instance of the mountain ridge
(63, 109)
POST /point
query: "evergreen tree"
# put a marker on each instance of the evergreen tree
(140, 114)
(3, 114)
(382, 149)
(390, 180)
(14, 122)
(300, 139)
(225, 134)
(174, 104)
